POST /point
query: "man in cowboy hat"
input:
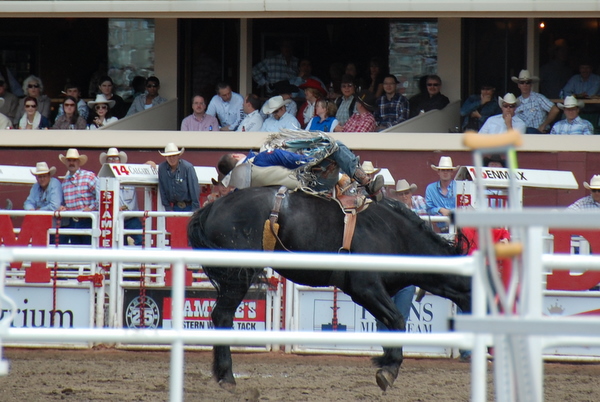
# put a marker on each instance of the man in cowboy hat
(362, 121)
(177, 181)
(440, 196)
(46, 194)
(535, 109)
(501, 123)
(405, 194)
(227, 106)
(285, 90)
(278, 118)
(346, 104)
(392, 107)
(127, 194)
(573, 124)
(592, 201)
(81, 193)
(4, 120)
(253, 120)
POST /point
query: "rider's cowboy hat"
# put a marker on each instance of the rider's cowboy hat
(444, 164)
(402, 185)
(113, 152)
(42, 168)
(508, 98)
(275, 103)
(172, 150)
(72, 153)
(314, 84)
(570, 101)
(368, 167)
(524, 76)
(100, 98)
(594, 183)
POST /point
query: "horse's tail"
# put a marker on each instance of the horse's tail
(196, 229)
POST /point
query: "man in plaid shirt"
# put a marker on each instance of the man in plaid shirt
(81, 193)
(283, 67)
(362, 121)
(392, 107)
(592, 201)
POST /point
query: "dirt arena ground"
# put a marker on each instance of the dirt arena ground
(117, 375)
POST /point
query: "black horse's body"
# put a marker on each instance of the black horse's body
(313, 224)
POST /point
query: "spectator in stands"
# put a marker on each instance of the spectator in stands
(375, 78)
(32, 119)
(33, 88)
(275, 109)
(127, 195)
(283, 66)
(313, 91)
(573, 124)
(325, 119)
(82, 108)
(81, 192)
(584, 84)
(46, 194)
(346, 104)
(479, 107)
(103, 112)
(227, 106)
(11, 102)
(177, 181)
(285, 90)
(430, 100)
(362, 121)
(501, 123)
(405, 194)
(106, 88)
(199, 120)
(5, 122)
(592, 201)
(138, 84)
(70, 119)
(253, 120)
(392, 107)
(555, 74)
(305, 73)
(440, 196)
(494, 160)
(537, 111)
(148, 99)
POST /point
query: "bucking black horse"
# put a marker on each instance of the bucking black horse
(309, 223)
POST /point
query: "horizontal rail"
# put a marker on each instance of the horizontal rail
(546, 217)
(518, 325)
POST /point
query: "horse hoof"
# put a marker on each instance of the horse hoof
(384, 379)
(227, 386)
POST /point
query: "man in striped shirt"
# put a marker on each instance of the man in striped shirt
(80, 192)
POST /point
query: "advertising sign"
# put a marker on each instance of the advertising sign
(316, 313)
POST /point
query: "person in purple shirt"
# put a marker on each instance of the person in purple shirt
(199, 120)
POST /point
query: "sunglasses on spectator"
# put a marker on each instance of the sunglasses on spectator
(69, 105)
(525, 82)
(432, 84)
(595, 190)
(347, 85)
(151, 86)
(29, 105)
(33, 86)
(509, 106)
(98, 107)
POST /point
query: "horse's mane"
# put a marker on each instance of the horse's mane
(459, 246)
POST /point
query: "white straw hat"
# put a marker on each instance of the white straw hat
(172, 150)
(42, 168)
(524, 76)
(274, 104)
(570, 101)
(100, 98)
(508, 98)
(594, 183)
(402, 185)
(444, 164)
(368, 167)
(113, 152)
(73, 153)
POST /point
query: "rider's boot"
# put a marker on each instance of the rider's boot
(373, 186)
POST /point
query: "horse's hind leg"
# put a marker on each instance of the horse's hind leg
(229, 298)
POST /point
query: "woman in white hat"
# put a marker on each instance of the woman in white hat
(102, 107)
(440, 196)
(592, 201)
(46, 194)
(573, 124)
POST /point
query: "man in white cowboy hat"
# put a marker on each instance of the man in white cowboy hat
(362, 121)
(573, 124)
(440, 196)
(501, 123)
(405, 194)
(275, 109)
(81, 192)
(592, 201)
(227, 106)
(177, 181)
(46, 194)
(127, 194)
(537, 111)
(4, 120)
